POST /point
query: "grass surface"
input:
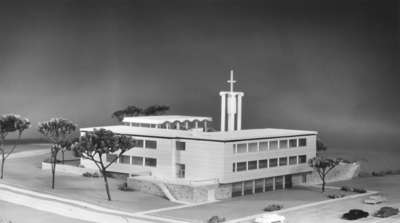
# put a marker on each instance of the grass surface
(27, 173)
(249, 205)
(21, 214)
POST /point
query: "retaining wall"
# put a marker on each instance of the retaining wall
(343, 171)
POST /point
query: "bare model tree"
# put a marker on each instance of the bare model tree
(323, 166)
(9, 124)
(60, 132)
(99, 144)
(136, 111)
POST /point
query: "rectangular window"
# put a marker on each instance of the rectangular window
(259, 185)
(273, 162)
(288, 181)
(111, 157)
(302, 142)
(137, 160)
(263, 146)
(150, 162)
(273, 145)
(252, 165)
(241, 166)
(233, 167)
(279, 183)
(248, 187)
(302, 159)
(293, 160)
(253, 147)
(234, 148)
(180, 146)
(293, 143)
(263, 164)
(269, 184)
(282, 161)
(125, 159)
(283, 144)
(237, 189)
(241, 148)
(151, 144)
(139, 143)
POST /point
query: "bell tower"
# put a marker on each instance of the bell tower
(231, 108)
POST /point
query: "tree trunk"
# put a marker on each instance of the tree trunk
(53, 169)
(106, 184)
(2, 165)
(62, 152)
(323, 184)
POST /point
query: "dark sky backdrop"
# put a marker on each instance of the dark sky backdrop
(330, 66)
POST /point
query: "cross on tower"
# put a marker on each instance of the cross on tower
(231, 81)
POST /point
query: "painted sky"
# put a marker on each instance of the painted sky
(330, 66)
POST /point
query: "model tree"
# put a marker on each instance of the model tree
(59, 132)
(10, 124)
(323, 166)
(99, 144)
(136, 111)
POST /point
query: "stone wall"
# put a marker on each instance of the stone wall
(344, 171)
(145, 186)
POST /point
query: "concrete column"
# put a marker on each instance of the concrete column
(187, 124)
(205, 126)
(273, 184)
(231, 112)
(196, 124)
(239, 112)
(283, 182)
(223, 111)
(178, 125)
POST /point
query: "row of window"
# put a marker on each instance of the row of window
(268, 163)
(261, 185)
(269, 145)
(148, 144)
(134, 160)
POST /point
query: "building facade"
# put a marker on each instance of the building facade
(181, 150)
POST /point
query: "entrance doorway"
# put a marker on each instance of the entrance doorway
(180, 170)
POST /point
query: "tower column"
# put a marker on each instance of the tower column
(239, 114)
(231, 111)
(223, 111)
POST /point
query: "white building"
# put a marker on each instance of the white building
(178, 150)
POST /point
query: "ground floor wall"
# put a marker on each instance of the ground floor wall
(203, 193)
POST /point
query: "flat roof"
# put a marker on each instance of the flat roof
(161, 119)
(229, 136)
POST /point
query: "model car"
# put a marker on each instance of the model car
(375, 199)
(270, 218)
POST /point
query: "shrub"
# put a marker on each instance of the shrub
(273, 207)
(359, 190)
(385, 212)
(94, 175)
(216, 219)
(353, 189)
(346, 188)
(335, 196)
(124, 187)
(378, 174)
